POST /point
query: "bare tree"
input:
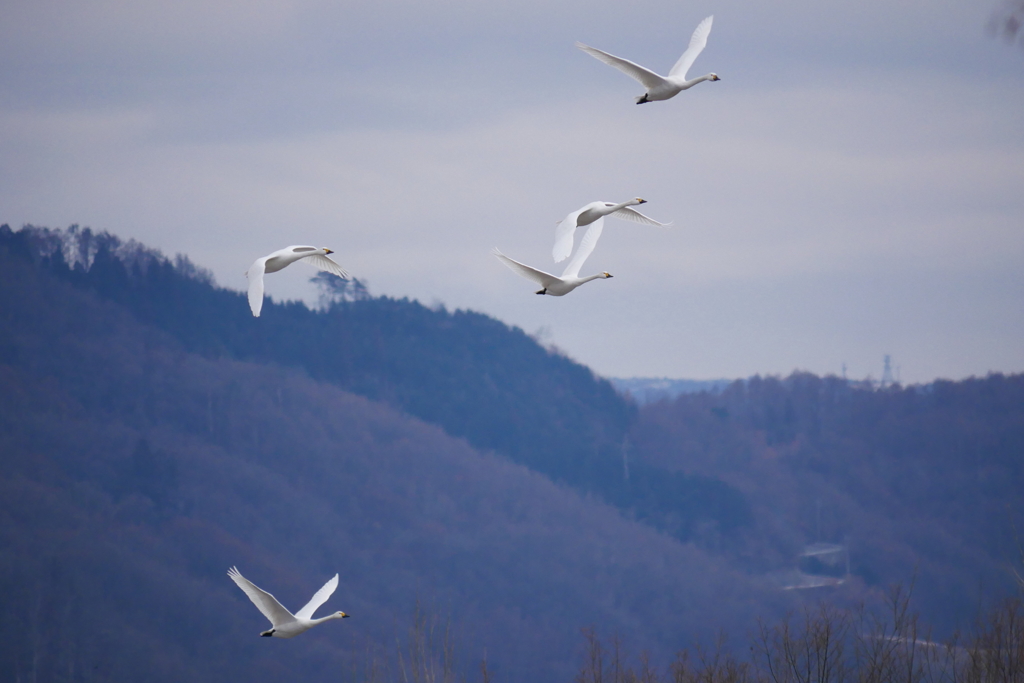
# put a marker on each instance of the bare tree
(611, 666)
(886, 647)
(996, 654)
(716, 665)
(811, 651)
(593, 663)
(425, 653)
(430, 649)
(827, 644)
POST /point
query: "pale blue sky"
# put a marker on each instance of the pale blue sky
(851, 188)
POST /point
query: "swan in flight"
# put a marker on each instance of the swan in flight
(570, 280)
(662, 87)
(590, 213)
(284, 623)
(283, 258)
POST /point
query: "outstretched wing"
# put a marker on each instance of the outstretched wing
(539, 276)
(263, 600)
(587, 245)
(255, 275)
(637, 217)
(324, 263)
(563, 236)
(697, 42)
(319, 598)
(645, 76)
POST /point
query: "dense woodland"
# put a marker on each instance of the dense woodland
(922, 479)
(470, 374)
(153, 434)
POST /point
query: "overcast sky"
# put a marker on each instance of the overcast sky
(852, 187)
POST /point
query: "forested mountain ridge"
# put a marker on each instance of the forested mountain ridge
(468, 373)
(149, 442)
(135, 472)
(919, 480)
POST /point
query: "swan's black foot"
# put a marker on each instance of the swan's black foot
(543, 291)
(267, 634)
(643, 100)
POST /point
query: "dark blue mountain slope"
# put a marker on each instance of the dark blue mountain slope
(134, 473)
(472, 375)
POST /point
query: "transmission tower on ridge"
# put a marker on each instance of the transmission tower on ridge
(887, 373)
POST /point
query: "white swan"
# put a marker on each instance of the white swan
(662, 87)
(283, 258)
(590, 213)
(284, 623)
(570, 280)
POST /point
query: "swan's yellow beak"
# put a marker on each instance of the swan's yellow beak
(345, 616)
(642, 201)
(607, 274)
(328, 251)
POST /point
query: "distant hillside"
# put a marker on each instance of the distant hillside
(135, 472)
(470, 374)
(922, 480)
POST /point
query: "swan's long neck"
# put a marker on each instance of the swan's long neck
(622, 205)
(591, 277)
(699, 79)
(321, 620)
